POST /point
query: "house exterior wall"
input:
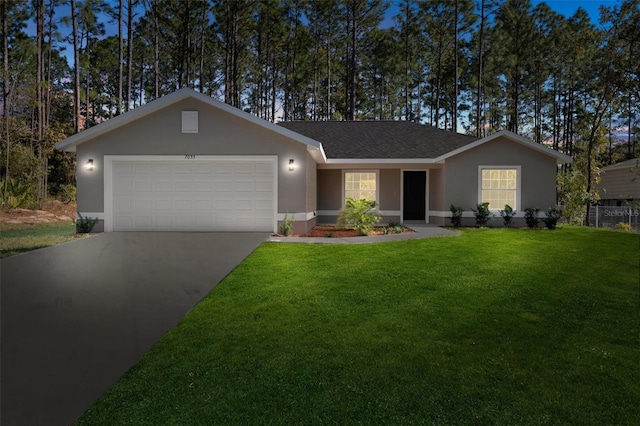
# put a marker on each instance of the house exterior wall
(537, 180)
(437, 196)
(619, 185)
(330, 191)
(219, 134)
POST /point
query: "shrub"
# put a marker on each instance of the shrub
(456, 215)
(359, 215)
(287, 225)
(395, 228)
(623, 226)
(482, 214)
(507, 214)
(85, 224)
(67, 193)
(19, 194)
(552, 217)
(531, 216)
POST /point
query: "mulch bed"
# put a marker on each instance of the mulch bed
(329, 231)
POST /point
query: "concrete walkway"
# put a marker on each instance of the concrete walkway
(422, 231)
(77, 316)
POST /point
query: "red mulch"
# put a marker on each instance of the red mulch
(330, 231)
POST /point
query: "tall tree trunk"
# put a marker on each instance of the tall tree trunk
(127, 97)
(479, 94)
(454, 112)
(120, 57)
(352, 66)
(156, 50)
(5, 90)
(41, 188)
(76, 68)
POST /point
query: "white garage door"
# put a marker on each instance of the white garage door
(193, 194)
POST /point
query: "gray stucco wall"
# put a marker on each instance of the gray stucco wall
(538, 174)
(219, 133)
(390, 191)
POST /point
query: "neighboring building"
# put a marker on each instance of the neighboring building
(620, 184)
(186, 162)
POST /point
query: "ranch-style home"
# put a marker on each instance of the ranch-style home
(186, 162)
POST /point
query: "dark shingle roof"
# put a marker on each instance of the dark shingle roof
(379, 139)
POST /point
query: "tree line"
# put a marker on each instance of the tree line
(478, 66)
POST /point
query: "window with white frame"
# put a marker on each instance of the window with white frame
(358, 185)
(499, 186)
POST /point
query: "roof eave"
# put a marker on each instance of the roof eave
(380, 161)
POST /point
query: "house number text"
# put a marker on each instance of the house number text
(190, 157)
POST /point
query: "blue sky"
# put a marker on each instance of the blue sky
(569, 7)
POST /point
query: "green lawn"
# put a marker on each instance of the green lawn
(35, 237)
(496, 326)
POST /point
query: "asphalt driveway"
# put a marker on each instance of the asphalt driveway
(75, 317)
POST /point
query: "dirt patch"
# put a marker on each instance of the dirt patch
(52, 212)
(329, 231)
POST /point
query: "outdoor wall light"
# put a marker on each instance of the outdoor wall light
(291, 165)
(89, 165)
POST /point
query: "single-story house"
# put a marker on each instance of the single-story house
(620, 184)
(187, 162)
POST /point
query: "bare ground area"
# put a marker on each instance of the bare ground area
(52, 212)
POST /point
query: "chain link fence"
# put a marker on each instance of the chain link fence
(615, 217)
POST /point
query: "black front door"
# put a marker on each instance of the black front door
(415, 188)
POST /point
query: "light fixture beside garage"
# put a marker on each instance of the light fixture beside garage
(291, 165)
(89, 165)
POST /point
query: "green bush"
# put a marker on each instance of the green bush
(456, 215)
(394, 228)
(67, 193)
(482, 214)
(85, 224)
(286, 226)
(359, 215)
(552, 217)
(20, 194)
(531, 216)
(507, 214)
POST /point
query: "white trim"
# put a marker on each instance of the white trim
(298, 217)
(376, 171)
(108, 176)
(91, 215)
(337, 212)
(518, 169)
(467, 213)
(426, 194)
(362, 161)
(328, 212)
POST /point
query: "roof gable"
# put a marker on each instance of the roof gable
(149, 108)
(560, 157)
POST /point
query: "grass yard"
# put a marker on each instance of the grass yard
(496, 326)
(20, 240)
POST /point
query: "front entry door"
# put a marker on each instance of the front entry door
(414, 193)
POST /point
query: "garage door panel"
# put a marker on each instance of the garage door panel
(163, 186)
(203, 195)
(243, 186)
(143, 168)
(202, 186)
